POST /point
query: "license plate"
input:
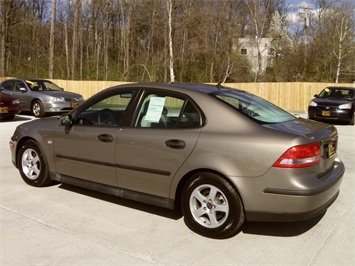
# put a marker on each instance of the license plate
(325, 113)
(74, 105)
(4, 110)
(331, 150)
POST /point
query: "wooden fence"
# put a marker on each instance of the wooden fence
(293, 96)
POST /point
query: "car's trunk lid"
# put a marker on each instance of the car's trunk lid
(326, 135)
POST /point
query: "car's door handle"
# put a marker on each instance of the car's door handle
(105, 138)
(175, 143)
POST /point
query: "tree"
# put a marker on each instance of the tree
(51, 40)
(261, 13)
(10, 11)
(169, 6)
(281, 47)
(339, 21)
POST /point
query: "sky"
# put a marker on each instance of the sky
(296, 8)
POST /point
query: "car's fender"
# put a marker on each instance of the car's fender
(41, 131)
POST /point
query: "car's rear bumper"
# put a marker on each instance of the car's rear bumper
(289, 216)
(305, 201)
(10, 112)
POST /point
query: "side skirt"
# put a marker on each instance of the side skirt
(115, 191)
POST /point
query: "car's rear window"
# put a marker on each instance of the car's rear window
(253, 106)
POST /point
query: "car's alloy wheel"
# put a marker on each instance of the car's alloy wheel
(212, 206)
(33, 164)
(37, 109)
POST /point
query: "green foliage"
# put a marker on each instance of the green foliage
(131, 37)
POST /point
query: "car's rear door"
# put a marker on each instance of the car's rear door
(161, 137)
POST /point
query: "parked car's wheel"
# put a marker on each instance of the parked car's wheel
(33, 164)
(211, 206)
(37, 109)
(352, 121)
(7, 118)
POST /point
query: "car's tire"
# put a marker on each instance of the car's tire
(352, 121)
(212, 206)
(7, 118)
(37, 109)
(33, 165)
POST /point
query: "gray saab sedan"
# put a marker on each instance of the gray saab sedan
(222, 156)
(41, 96)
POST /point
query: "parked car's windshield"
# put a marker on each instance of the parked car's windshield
(45, 85)
(338, 93)
(254, 106)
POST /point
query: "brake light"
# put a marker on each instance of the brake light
(300, 156)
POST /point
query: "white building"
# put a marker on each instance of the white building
(249, 48)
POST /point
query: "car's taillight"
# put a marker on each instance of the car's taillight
(300, 156)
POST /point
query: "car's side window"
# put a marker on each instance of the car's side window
(19, 85)
(107, 112)
(9, 85)
(158, 110)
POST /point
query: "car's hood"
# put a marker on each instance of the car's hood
(64, 94)
(48, 123)
(331, 101)
(38, 129)
(303, 127)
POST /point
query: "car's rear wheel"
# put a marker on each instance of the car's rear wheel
(33, 164)
(212, 206)
(37, 109)
(7, 118)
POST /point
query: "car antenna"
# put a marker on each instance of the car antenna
(219, 85)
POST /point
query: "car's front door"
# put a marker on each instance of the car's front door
(12, 87)
(86, 150)
(162, 136)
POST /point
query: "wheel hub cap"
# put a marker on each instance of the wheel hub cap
(209, 206)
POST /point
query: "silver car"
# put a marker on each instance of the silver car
(222, 156)
(41, 96)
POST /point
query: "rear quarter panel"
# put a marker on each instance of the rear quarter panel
(234, 145)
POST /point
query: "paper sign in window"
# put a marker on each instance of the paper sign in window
(155, 109)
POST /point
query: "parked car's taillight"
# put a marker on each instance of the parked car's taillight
(300, 156)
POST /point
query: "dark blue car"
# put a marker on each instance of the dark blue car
(333, 104)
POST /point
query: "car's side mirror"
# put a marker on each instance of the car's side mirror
(22, 89)
(315, 95)
(66, 120)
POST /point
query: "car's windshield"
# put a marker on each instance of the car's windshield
(39, 85)
(254, 106)
(338, 93)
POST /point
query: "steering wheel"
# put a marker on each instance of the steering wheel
(106, 117)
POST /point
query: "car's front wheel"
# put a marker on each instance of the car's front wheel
(33, 164)
(212, 206)
(37, 109)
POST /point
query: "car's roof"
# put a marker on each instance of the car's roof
(24, 79)
(341, 87)
(34, 79)
(203, 88)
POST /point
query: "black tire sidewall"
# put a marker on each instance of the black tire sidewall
(236, 212)
(43, 177)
